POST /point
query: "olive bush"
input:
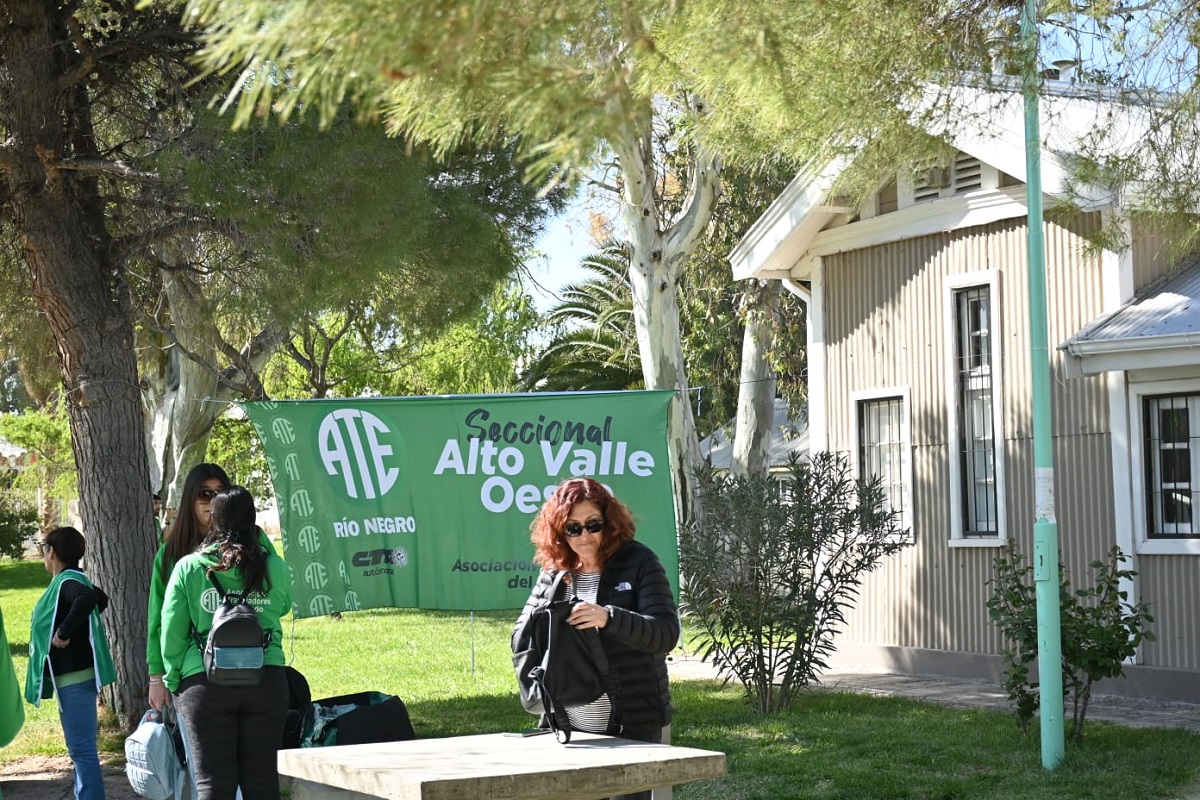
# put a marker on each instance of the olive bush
(773, 564)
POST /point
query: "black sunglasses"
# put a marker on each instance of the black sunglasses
(206, 494)
(574, 529)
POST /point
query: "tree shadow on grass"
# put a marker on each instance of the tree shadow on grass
(22, 574)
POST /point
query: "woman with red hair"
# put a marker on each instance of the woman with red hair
(622, 591)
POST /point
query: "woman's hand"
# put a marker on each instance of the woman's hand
(159, 694)
(588, 615)
(57, 642)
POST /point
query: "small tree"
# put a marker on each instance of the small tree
(1100, 630)
(18, 524)
(770, 570)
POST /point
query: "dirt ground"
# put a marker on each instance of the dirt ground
(51, 777)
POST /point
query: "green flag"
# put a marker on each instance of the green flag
(426, 502)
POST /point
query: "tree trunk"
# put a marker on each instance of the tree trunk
(58, 213)
(756, 386)
(195, 399)
(189, 396)
(656, 263)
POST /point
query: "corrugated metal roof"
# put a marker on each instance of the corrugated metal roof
(1170, 307)
(11, 455)
(787, 437)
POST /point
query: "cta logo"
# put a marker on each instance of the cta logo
(373, 558)
(350, 446)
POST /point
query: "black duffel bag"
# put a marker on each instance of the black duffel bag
(359, 718)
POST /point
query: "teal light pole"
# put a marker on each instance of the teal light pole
(1045, 526)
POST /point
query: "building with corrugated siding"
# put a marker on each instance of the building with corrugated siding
(920, 372)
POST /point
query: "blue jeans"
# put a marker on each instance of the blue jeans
(77, 711)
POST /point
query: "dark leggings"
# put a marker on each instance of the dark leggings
(234, 733)
(652, 735)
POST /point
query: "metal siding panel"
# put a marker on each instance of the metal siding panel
(1169, 585)
(885, 327)
(1151, 252)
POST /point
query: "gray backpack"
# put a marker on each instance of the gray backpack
(235, 646)
(155, 763)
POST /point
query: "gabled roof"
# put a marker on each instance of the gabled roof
(1160, 327)
(990, 126)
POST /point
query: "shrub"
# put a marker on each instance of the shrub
(1100, 630)
(18, 524)
(772, 565)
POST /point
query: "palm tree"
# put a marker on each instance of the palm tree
(597, 347)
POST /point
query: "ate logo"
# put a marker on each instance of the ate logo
(353, 446)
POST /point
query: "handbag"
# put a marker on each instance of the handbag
(558, 666)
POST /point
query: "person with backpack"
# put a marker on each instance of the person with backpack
(222, 648)
(618, 588)
(68, 654)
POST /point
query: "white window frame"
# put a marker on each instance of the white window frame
(989, 279)
(901, 393)
(1138, 393)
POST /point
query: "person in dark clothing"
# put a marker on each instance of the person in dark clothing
(68, 654)
(624, 593)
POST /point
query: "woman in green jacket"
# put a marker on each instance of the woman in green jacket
(234, 732)
(185, 535)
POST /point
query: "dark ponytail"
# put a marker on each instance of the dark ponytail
(235, 534)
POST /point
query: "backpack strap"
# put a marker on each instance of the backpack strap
(212, 577)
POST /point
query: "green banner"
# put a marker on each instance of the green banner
(426, 502)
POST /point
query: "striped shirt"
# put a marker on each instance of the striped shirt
(592, 718)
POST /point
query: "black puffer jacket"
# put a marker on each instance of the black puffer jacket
(643, 628)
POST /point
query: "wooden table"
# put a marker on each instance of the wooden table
(493, 767)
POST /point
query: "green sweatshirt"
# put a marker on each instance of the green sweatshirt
(12, 710)
(41, 631)
(158, 589)
(190, 599)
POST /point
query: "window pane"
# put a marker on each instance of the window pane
(976, 421)
(1171, 454)
(1174, 424)
(882, 450)
(1176, 466)
(1177, 508)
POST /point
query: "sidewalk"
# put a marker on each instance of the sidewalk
(960, 693)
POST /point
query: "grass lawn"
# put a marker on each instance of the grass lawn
(453, 669)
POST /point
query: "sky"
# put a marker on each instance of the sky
(564, 243)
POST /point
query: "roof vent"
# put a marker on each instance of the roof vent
(937, 177)
(1066, 69)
